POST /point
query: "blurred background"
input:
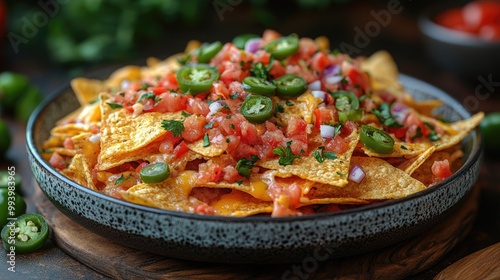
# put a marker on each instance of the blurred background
(49, 42)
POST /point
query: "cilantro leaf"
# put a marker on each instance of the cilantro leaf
(433, 136)
(147, 95)
(245, 165)
(176, 127)
(259, 70)
(145, 86)
(122, 179)
(320, 154)
(383, 114)
(330, 155)
(185, 114)
(289, 103)
(206, 140)
(209, 125)
(114, 106)
(234, 96)
(404, 147)
(95, 100)
(286, 154)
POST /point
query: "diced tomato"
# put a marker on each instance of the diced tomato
(416, 128)
(299, 146)
(399, 132)
(320, 61)
(274, 138)
(453, 19)
(194, 128)
(348, 128)
(262, 56)
(244, 151)
(220, 90)
(441, 169)
(490, 31)
(232, 141)
(368, 104)
(217, 138)
(322, 116)
(231, 174)
(168, 82)
(204, 209)
(269, 35)
(296, 127)
(359, 80)
(480, 13)
(249, 133)
(171, 102)
(68, 144)
(180, 149)
(197, 106)
(57, 161)
(339, 145)
(140, 167)
(277, 69)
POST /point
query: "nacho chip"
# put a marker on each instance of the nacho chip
(411, 165)
(240, 204)
(328, 172)
(209, 151)
(87, 90)
(302, 107)
(401, 149)
(129, 73)
(462, 127)
(81, 173)
(382, 181)
(382, 69)
(87, 148)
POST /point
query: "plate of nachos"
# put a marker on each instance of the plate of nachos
(262, 149)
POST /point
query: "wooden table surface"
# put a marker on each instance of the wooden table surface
(401, 38)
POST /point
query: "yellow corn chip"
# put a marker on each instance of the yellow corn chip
(87, 90)
(401, 149)
(130, 73)
(240, 204)
(209, 151)
(89, 149)
(382, 181)
(382, 69)
(462, 127)
(412, 164)
(302, 107)
(81, 172)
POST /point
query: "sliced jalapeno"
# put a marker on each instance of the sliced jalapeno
(257, 108)
(26, 234)
(353, 115)
(290, 85)
(207, 51)
(345, 101)
(196, 78)
(283, 47)
(10, 181)
(376, 140)
(12, 205)
(240, 40)
(155, 173)
(258, 86)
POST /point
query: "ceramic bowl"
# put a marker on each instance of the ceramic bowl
(253, 239)
(454, 51)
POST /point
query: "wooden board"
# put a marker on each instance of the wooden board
(397, 261)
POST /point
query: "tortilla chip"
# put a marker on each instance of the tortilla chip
(63, 151)
(382, 69)
(88, 149)
(334, 200)
(87, 90)
(462, 127)
(302, 107)
(425, 107)
(411, 165)
(382, 181)
(125, 138)
(81, 172)
(240, 204)
(210, 151)
(401, 149)
(70, 130)
(328, 172)
(130, 73)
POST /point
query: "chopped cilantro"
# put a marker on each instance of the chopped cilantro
(239, 182)
(47, 151)
(145, 86)
(206, 140)
(383, 114)
(176, 127)
(234, 96)
(329, 155)
(259, 70)
(114, 106)
(403, 147)
(185, 114)
(336, 52)
(232, 125)
(340, 173)
(320, 154)
(147, 95)
(344, 81)
(280, 108)
(184, 60)
(95, 100)
(228, 116)
(209, 125)
(122, 179)
(417, 134)
(289, 103)
(286, 154)
(245, 165)
(433, 136)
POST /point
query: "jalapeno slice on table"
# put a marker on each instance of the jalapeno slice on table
(155, 173)
(376, 140)
(258, 86)
(290, 85)
(196, 78)
(7, 180)
(207, 51)
(256, 108)
(26, 234)
(283, 47)
(240, 40)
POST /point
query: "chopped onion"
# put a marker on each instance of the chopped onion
(253, 45)
(216, 106)
(138, 109)
(319, 94)
(357, 174)
(95, 138)
(316, 85)
(333, 79)
(331, 70)
(326, 131)
(124, 84)
(399, 112)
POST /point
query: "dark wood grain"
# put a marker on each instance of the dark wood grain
(397, 261)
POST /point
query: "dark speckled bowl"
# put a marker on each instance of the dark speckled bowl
(253, 239)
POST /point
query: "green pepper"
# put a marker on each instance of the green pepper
(290, 85)
(26, 234)
(257, 108)
(240, 40)
(258, 86)
(490, 128)
(12, 87)
(11, 204)
(345, 101)
(30, 100)
(196, 78)
(10, 179)
(207, 51)
(353, 115)
(155, 173)
(376, 140)
(283, 47)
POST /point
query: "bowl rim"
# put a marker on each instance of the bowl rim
(474, 155)
(440, 33)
